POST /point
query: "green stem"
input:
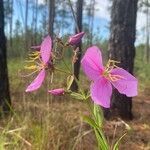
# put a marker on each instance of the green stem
(60, 70)
(98, 130)
(102, 142)
(67, 67)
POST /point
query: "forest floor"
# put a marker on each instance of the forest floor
(139, 138)
(43, 122)
(58, 124)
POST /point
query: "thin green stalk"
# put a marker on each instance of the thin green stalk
(60, 70)
(101, 144)
(73, 14)
(98, 130)
(67, 67)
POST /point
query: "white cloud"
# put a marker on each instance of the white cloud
(104, 12)
(141, 22)
(41, 1)
(102, 9)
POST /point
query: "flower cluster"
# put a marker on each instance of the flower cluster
(42, 60)
(103, 78)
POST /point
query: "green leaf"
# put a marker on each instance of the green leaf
(98, 113)
(98, 116)
(69, 81)
(86, 94)
(101, 143)
(90, 121)
(116, 145)
(2, 143)
(77, 95)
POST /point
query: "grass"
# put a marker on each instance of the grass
(39, 121)
(43, 122)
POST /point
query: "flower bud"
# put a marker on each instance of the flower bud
(56, 92)
(75, 39)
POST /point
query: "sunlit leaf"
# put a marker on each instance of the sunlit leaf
(90, 121)
(69, 81)
(116, 145)
(77, 96)
(98, 115)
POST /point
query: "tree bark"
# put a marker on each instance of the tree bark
(26, 24)
(35, 25)
(121, 48)
(147, 47)
(5, 101)
(51, 17)
(11, 24)
(76, 67)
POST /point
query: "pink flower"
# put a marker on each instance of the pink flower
(104, 77)
(60, 91)
(42, 64)
(75, 39)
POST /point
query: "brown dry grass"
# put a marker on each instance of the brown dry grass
(45, 122)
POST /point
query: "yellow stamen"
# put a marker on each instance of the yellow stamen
(34, 63)
(34, 53)
(32, 67)
(34, 58)
(114, 77)
(107, 72)
(29, 61)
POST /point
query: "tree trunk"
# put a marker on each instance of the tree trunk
(147, 33)
(91, 21)
(26, 24)
(5, 102)
(35, 24)
(121, 48)
(76, 67)
(11, 23)
(51, 17)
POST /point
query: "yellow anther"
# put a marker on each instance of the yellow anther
(34, 58)
(34, 63)
(107, 72)
(30, 67)
(114, 77)
(34, 53)
(29, 61)
(110, 65)
(113, 61)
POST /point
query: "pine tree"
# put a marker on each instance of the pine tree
(5, 101)
(121, 47)
(79, 11)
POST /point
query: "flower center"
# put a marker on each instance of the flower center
(107, 71)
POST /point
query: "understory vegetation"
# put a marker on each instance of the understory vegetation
(41, 121)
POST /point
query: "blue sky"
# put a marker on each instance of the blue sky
(101, 20)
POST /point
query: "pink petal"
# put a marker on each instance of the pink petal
(46, 47)
(57, 91)
(92, 63)
(101, 91)
(126, 85)
(75, 39)
(37, 82)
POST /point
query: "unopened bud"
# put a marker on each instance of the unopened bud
(75, 39)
